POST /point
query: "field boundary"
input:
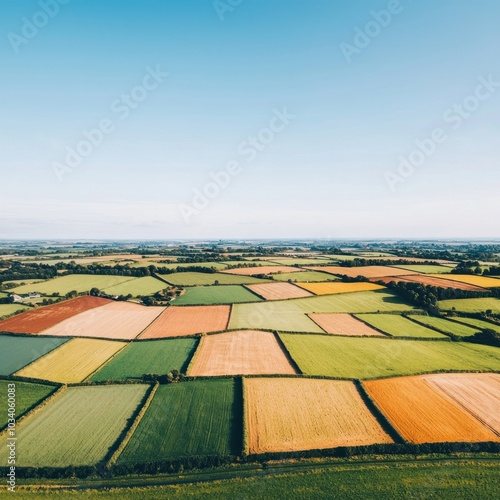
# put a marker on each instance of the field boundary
(195, 354)
(105, 362)
(286, 352)
(244, 445)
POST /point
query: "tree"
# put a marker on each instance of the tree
(95, 292)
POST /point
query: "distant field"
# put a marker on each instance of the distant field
(8, 309)
(73, 361)
(398, 326)
(305, 414)
(77, 428)
(139, 286)
(440, 281)
(338, 287)
(425, 269)
(343, 324)
(193, 279)
(207, 265)
(249, 271)
(147, 356)
(279, 291)
(191, 418)
(305, 276)
(445, 325)
(378, 357)
(216, 294)
(471, 305)
(482, 281)
(299, 261)
(478, 323)
(367, 271)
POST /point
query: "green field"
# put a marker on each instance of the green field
(17, 351)
(378, 357)
(446, 326)
(138, 286)
(299, 261)
(76, 428)
(175, 265)
(425, 269)
(148, 356)
(471, 305)
(218, 294)
(27, 395)
(193, 279)
(398, 326)
(290, 315)
(478, 323)
(305, 277)
(190, 418)
(8, 309)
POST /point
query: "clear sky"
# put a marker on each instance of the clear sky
(312, 106)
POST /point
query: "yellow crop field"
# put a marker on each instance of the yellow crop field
(292, 414)
(73, 361)
(472, 279)
(332, 287)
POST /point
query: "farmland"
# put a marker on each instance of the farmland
(425, 268)
(147, 356)
(138, 286)
(302, 414)
(343, 324)
(8, 309)
(249, 271)
(338, 287)
(195, 279)
(202, 419)
(240, 352)
(423, 415)
(471, 305)
(305, 276)
(445, 325)
(220, 294)
(188, 320)
(347, 357)
(481, 281)
(78, 427)
(279, 291)
(478, 323)
(367, 271)
(73, 361)
(398, 326)
(440, 282)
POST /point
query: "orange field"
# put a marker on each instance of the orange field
(422, 414)
(367, 271)
(442, 282)
(118, 320)
(249, 271)
(278, 291)
(188, 320)
(343, 324)
(291, 414)
(482, 281)
(339, 287)
(245, 352)
(44, 317)
(478, 393)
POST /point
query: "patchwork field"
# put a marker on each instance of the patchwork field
(249, 271)
(423, 415)
(195, 279)
(147, 356)
(76, 428)
(471, 305)
(441, 282)
(217, 294)
(37, 320)
(8, 309)
(481, 281)
(399, 326)
(478, 323)
(192, 418)
(188, 320)
(279, 291)
(445, 325)
(338, 287)
(73, 361)
(343, 324)
(116, 320)
(367, 271)
(303, 414)
(298, 261)
(138, 286)
(244, 352)
(425, 268)
(347, 357)
(305, 277)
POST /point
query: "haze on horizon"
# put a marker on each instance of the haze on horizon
(277, 119)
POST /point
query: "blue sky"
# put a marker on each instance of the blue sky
(358, 88)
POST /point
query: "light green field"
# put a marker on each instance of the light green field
(138, 286)
(193, 279)
(299, 261)
(398, 326)
(478, 323)
(76, 428)
(378, 357)
(471, 305)
(250, 262)
(305, 277)
(446, 326)
(290, 315)
(26, 282)
(175, 265)
(217, 294)
(190, 418)
(7, 309)
(425, 269)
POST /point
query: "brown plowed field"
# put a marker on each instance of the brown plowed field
(279, 291)
(188, 320)
(44, 317)
(249, 271)
(367, 271)
(423, 414)
(343, 324)
(245, 352)
(291, 414)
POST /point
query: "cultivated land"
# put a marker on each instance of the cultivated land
(188, 320)
(116, 320)
(8, 309)
(138, 286)
(279, 291)
(426, 269)
(244, 352)
(147, 356)
(18, 351)
(194, 279)
(399, 326)
(423, 415)
(482, 281)
(438, 282)
(76, 428)
(298, 261)
(338, 287)
(73, 361)
(217, 294)
(305, 276)
(190, 418)
(478, 323)
(304, 414)
(249, 271)
(37, 320)
(445, 325)
(377, 357)
(343, 324)
(367, 271)
(471, 305)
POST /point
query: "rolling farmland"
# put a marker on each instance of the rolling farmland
(367, 271)
(305, 277)
(445, 325)
(471, 305)
(220, 294)
(138, 286)
(440, 282)
(343, 324)
(338, 287)
(477, 323)
(279, 291)
(399, 326)
(8, 309)
(481, 281)
(249, 271)
(425, 268)
(196, 279)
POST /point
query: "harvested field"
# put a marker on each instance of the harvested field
(245, 352)
(305, 277)
(338, 287)
(296, 414)
(249, 271)
(471, 305)
(421, 414)
(478, 324)
(441, 282)
(425, 269)
(195, 279)
(116, 320)
(72, 362)
(188, 320)
(445, 325)
(366, 271)
(279, 291)
(399, 326)
(37, 320)
(343, 324)
(480, 281)
(139, 286)
(216, 294)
